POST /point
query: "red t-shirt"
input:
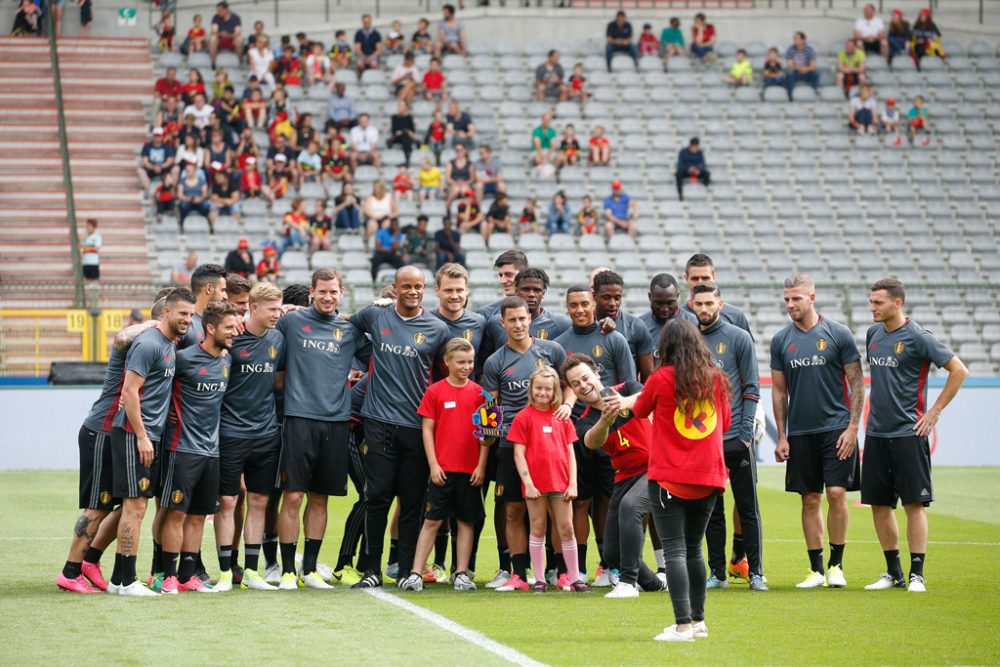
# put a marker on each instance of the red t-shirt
(706, 34)
(452, 408)
(545, 443)
(166, 88)
(437, 131)
(433, 80)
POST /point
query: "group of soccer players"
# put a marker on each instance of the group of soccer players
(246, 403)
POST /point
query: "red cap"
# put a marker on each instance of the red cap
(925, 12)
(616, 185)
(270, 250)
(898, 13)
(243, 244)
(891, 101)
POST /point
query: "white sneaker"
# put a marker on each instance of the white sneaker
(254, 582)
(289, 582)
(324, 571)
(464, 583)
(552, 578)
(114, 589)
(700, 630)
(414, 582)
(272, 574)
(672, 635)
(315, 580)
(885, 582)
(501, 578)
(137, 590)
(623, 590)
(603, 579)
(662, 576)
(916, 584)
(392, 570)
(225, 582)
(835, 577)
(813, 580)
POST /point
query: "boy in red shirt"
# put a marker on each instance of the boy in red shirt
(434, 82)
(267, 268)
(196, 36)
(457, 462)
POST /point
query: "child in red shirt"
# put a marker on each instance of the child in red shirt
(196, 36)
(434, 82)
(649, 45)
(267, 268)
(543, 453)
(457, 462)
(402, 183)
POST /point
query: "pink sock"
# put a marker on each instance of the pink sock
(536, 547)
(571, 560)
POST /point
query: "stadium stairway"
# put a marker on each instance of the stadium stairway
(105, 85)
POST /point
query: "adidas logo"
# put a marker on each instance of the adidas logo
(917, 559)
(924, 492)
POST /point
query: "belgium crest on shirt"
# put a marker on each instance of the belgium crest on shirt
(821, 344)
(721, 348)
(898, 347)
(598, 351)
(467, 335)
(338, 334)
(419, 338)
(542, 334)
(272, 352)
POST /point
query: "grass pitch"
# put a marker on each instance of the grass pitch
(956, 622)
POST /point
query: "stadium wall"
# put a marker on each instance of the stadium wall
(43, 423)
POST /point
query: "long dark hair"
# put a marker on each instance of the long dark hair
(695, 372)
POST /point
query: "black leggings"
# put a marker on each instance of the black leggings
(355, 524)
(681, 525)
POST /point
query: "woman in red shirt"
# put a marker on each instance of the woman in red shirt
(689, 399)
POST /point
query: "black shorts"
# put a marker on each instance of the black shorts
(508, 486)
(254, 458)
(896, 469)
(96, 478)
(457, 499)
(86, 13)
(874, 46)
(314, 456)
(130, 478)
(813, 463)
(191, 484)
(595, 476)
(91, 271)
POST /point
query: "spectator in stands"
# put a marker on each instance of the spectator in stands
(261, 60)
(368, 46)
(437, 132)
(850, 67)
(926, 37)
(394, 39)
(772, 74)
(406, 78)
(229, 113)
(543, 141)
(460, 126)
(190, 151)
(258, 33)
(703, 40)
(157, 159)
(619, 40)
(201, 110)
(430, 180)
(691, 166)
(280, 171)
(560, 215)
(305, 44)
(280, 147)
(422, 41)
(489, 174)
(194, 41)
(318, 68)
(27, 19)
(90, 251)
(340, 108)
(336, 161)
(418, 243)
(741, 72)
(402, 131)
(862, 111)
(305, 132)
(379, 207)
(268, 269)
(195, 84)
(918, 123)
(310, 164)
(468, 214)
(226, 32)
(451, 33)
(224, 198)
(899, 35)
(402, 184)
(168, 118)
(341, 52)
(219, 83)
(869, 33)
(449, 244)
(167, 32)
(588, 217)
(280, 114)
(890, 120)
(294, 227)
(181, 275)
(165, 197)
(569, 148)
(497, 218)
(388, 247)
(649, 45)
(577, 88)
(550, 79)
(621, 212)
(255, 110)
(364, 144)
(217, 152)
(433, 82)
(801, 63)
(600, 147)
(460, 174)
(240, 261)
(346, 209)
(672, 39)
(168, 85)
(192, 194)
(321, 227)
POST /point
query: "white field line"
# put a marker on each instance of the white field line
(448, 625)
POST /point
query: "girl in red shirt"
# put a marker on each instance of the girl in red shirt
(689, 399)
(543, 453)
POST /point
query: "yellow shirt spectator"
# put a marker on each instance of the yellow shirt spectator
(430, 178)
(742, 69)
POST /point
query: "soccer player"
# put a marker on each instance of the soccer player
(701, 269)
(595, 474)
(530, 284)
(506, 375)
(508, 264)
(897, 460)
(82, 571)
(249, 437)
(735, 355)
(406, 344)
(319, 347)
(137, 428)
(664, 300)
(238, 293)
(608, 423)
(191, 482)
(208, 284)
(813, 362)
(609, 288)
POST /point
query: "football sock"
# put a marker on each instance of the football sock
(127, 570)
(917, 564)
(169, 564)
(288, 557)
(520, 564)
(441, 547)
(310, 555)
(536, 547)
(393, 551)
(569, 548)
(661, 562)
(225, 558)
(600, 551)
(199, 565)
(157, 564)
(93, 555)
(581, 550)
(560, 564)
(116, 573)
(550, 557)
(189, 561)
(251, 556)
(504, 554)
(475, 543)
(270, 547)
(739, 553)
(72, 570)
(816, 560)
(836, 555)
(235, 557)
(892, 564)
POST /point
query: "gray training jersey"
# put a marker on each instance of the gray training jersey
(813, 364)
(507, 372)
(544, 326)
(199, 387)
(491, 310)
(609, 351)
(152, 355)
(736, 357)
(195, 333)
(248, 410)
(899, 362)
(655, 327)
(319, 350)
(102, 412)
(730, 313)
(470, 326)
(403, 353)
(639, 341)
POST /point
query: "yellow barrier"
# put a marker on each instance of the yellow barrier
(30, 340)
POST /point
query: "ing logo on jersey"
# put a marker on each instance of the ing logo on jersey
(419, 338)
(177, 497)
(272, 352)
(821, 344)
(720, 348)
(467, 335)
(598, 351)
(105, 497)
(898, 347)
(696, 422)
(144, 484)
(542, 334)
(338, 334)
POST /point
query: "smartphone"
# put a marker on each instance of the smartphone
(607, 392)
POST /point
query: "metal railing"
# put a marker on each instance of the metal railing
(30, 340)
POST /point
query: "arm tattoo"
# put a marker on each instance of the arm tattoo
(856, 380)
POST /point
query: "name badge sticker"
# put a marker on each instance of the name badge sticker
(546, 429)
(449, 405)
